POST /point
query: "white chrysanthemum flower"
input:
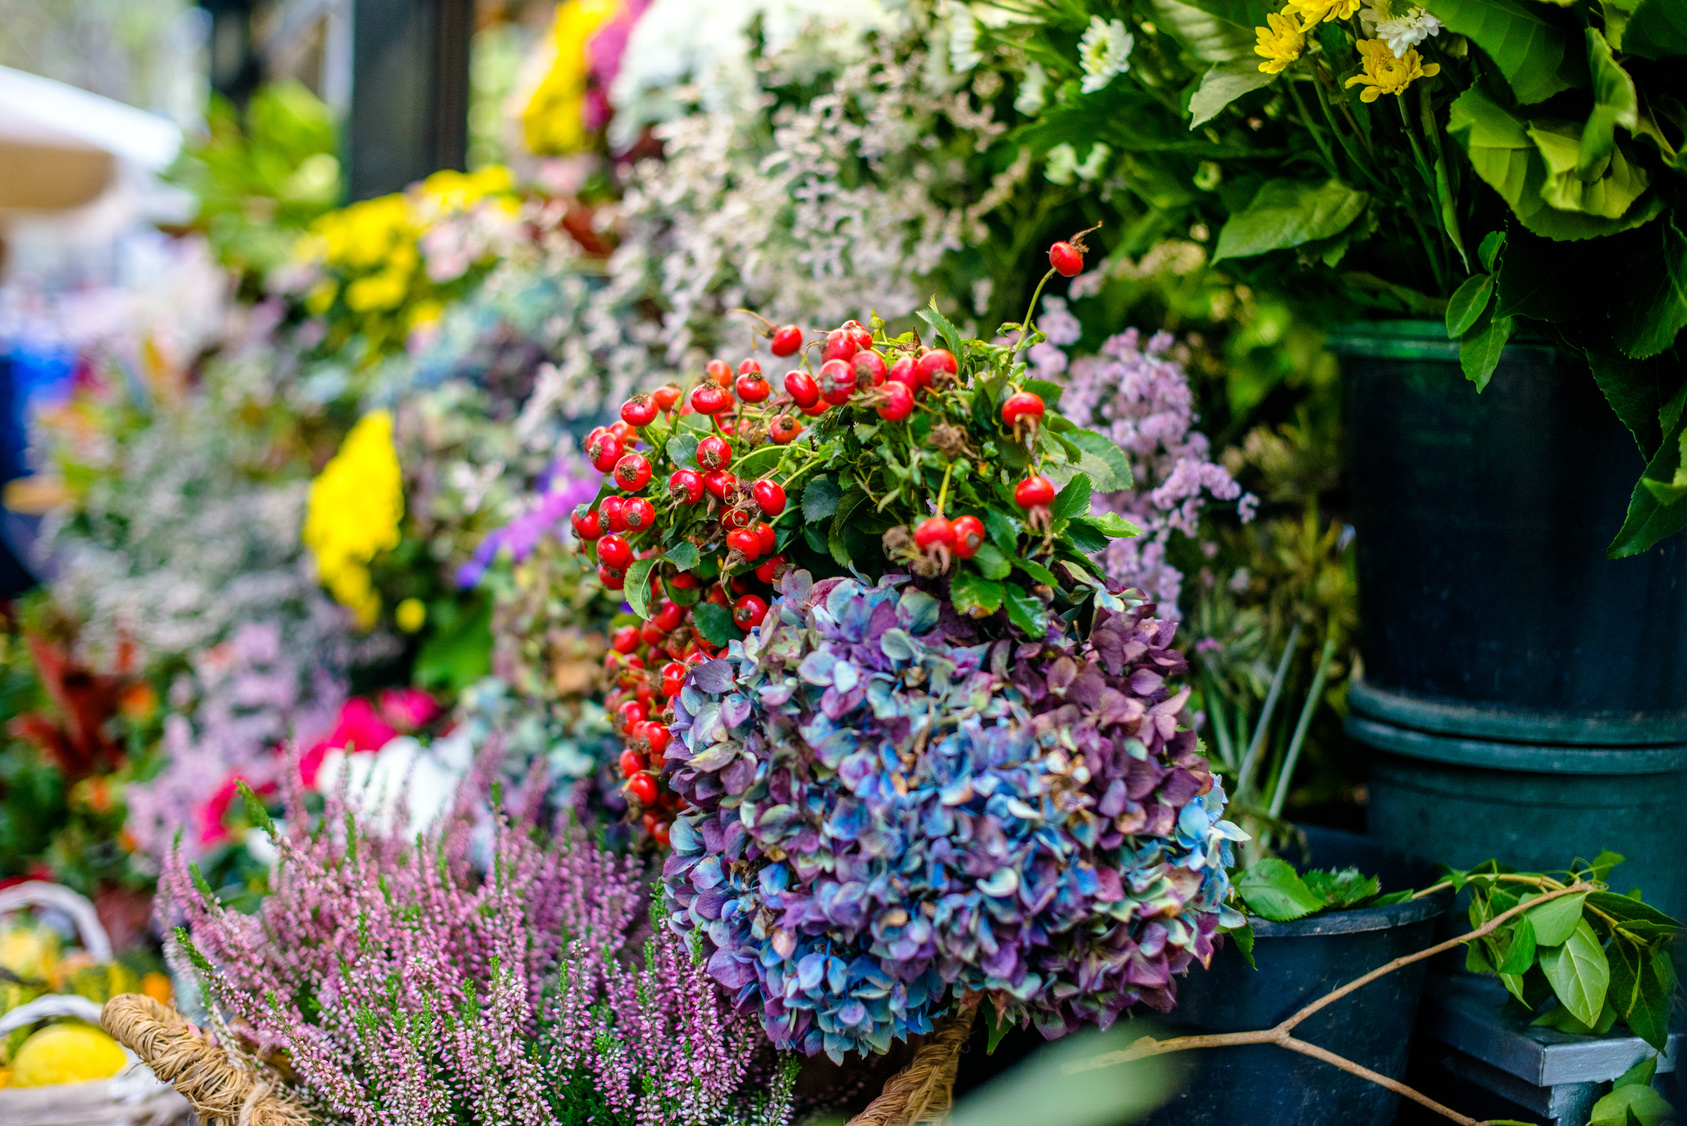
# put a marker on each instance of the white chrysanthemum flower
(1401, 26)
(1032, 95)
(963, 43)
(1104, 52)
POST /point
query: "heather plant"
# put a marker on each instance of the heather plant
(490, 970)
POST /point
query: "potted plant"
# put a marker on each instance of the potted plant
(1478, 162)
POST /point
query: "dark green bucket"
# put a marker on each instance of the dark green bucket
(1525, 697)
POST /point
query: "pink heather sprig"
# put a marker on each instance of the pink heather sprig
(1141, 398)
(406, 983)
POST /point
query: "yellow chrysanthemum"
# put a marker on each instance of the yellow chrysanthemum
(456, 191)
(355, 506)
(1279, 44)
(1314, 12)
(553, 121)
(1385, 74)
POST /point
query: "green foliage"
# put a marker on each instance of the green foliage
(1273, 890)
(262, 177)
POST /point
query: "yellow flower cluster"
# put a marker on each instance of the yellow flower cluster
(553, 122)
(1385, 74)
(1283, 41)
(355, 507)
(369, 256)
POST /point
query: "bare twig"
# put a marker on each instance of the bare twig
(1280, 1033)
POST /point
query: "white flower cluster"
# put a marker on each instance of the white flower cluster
(1104, 52)
(1401, 26)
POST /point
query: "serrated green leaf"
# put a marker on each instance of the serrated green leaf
(1085, 537)
(941, 325)
(1101, 459)
(1073, 500)
(1654, 308)
(701, 423)
(1046, 390)
(1244, 937)
(974, 595)
(1482, 346)
(1555, 920)
(1342, 889)
(1114, 525)
(682, 448)
(1468, 302)
(636, 589)
(1221, 85)
(714, 622)
(1287, 213)
(1273, 890)
(682, 555)
(1037, 571)
(820, 499)
(992, 562)
(836, 543)
(1027, 613)
(1533, 53)
(1579, 973)
(1003, 532)
(1639, 391)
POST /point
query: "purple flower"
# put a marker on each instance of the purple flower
(523, 534)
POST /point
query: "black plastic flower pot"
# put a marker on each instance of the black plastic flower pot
(1527, 695)
(1264, 1085)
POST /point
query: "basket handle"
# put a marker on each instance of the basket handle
(37, 893)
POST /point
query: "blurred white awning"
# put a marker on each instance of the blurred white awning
(60, 145)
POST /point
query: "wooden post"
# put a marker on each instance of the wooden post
(410, 92)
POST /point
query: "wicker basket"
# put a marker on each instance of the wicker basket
(227, 1093)
(134, 1096)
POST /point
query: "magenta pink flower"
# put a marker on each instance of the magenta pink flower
(359, 728)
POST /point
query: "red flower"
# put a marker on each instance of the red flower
(408, 708)
(358, 728)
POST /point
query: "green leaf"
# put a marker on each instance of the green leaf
(1492, 243)
(1114, 525)
(1286, 213)
(1520, 950)
(1273, 890)
(1102, 461)
(1641, 1073)
(1642, 989)
(940, 324)
(1037, 571)
(836, 544)
(1046, 390)
(1555, 920)
(682, 448)
(1656, 30)
(1631, 1102)
(1209, 36)
(1614, 104)
(820, 499)
(1221, 85)
(1609, 196)
(1640, 919)
(1026, 612)
(1650, 518)
(1003, 532)
(1638, 390)
(459, 650)
(1579, 973)
(1480, 350)
(1534, 54)
(992, 562)
(1073, 500)
(1468, 302)
(714, 622)
(993, 1027)
(1561, 1019)
(1449, 205)
(1244, 936)
(636, 589)
(255, 811)
(682, 555)
(975, 596)
(1339, 890)
(1085, 537)
(1655, 306)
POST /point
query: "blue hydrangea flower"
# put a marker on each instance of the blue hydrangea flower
(889, 810)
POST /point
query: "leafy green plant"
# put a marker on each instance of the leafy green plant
(1473, 160)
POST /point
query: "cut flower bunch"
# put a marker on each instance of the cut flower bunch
(907, 745)
(1471, 160)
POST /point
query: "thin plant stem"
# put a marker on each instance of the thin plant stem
(1221, 734)
(1312, 128)
(1281, 1034)
(1433, 248)
(1025, 326)
(1307, 709)
(1245, 774)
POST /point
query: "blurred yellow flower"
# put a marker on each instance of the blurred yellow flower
(1313, 12)
(553, 121)
(1385, 74)
(411, 615)
(1279, 44)
(355, 507)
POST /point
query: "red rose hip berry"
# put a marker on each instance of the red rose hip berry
(714, 452)
(938, 360)
(686, 486)
(969, 536)
(753, 387)
(749, 611)
(787, 340)
(934, 532)
(643, 787)
(603, 447)
(587, 525)
(784, 429)
(1020, 406)
(632, 472)
(1066, 259)
(837, 381)
(1034, 492)
(770, 496)
(640, 410)
(639, 514)
(898, 401)
(801, 387)
(613, 551)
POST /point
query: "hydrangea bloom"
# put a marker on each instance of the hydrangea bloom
(888, 810)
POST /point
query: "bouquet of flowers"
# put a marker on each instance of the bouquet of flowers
(908, 745)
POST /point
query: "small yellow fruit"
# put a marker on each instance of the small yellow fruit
(66, 1053)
